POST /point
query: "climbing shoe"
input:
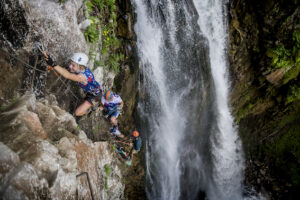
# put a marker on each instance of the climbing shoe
(113, 129)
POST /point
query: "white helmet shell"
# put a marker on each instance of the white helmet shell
(80, 58)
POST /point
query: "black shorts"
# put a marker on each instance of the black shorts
(92, 98)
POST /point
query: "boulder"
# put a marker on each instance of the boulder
(41, 155)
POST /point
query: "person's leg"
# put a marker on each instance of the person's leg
(118, 134)
(113, 118)
(81, 110)
(113, 121)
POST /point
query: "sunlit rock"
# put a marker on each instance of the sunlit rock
(42, 152)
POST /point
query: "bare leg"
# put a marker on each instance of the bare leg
(81, 110)
(114, 121)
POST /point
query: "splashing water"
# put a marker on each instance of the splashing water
(192, 147)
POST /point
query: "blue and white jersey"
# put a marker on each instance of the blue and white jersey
(110, 105)
(92, 85)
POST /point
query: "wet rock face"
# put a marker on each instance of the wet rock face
(22, 23)
(268, 122)
(42, 152)
(13, 25)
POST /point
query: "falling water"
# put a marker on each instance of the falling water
(192, 147)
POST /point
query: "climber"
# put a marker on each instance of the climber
(135, 145)
(113, 104)
(82, 74)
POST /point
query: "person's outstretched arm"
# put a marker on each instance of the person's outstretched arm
(74, 77)
(65, 73)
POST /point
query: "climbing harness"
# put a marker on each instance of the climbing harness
(52, 69)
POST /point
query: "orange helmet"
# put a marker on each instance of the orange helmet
(108, 95)
(135, 133)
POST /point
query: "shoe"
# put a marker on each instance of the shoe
(113, 129)
(128, 162)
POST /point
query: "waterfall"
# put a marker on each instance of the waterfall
(192, 146)
(226, 148)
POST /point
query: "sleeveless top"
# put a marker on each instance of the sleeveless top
(109, 105)
(92, 86)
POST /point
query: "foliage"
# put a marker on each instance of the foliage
(293, 94)
(107, 169)
(103, 14)
(106, 182)
(92, 33)
(281, 57)
(62, 1)
(284, 151)
(107, 173)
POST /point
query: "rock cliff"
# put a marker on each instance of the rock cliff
(264, 59)
(50, 144)
(43, 151)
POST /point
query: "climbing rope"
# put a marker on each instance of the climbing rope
(21, 61)
(34, 68)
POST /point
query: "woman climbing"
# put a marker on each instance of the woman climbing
(112, 105)
(80, 73)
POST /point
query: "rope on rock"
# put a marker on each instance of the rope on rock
(21, 61)
(34, 68)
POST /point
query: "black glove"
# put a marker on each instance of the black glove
(50, 62)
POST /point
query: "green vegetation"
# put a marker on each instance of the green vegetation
(107, 173)
(62, 1)
(293, 94)
(103, 15)
(281, 57)
(12, 99)
(106, 182)
(107, 169)
(284, 151)
(287, 58)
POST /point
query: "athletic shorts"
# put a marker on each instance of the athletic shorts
(114, 114)
(117, 132)
(92, 98)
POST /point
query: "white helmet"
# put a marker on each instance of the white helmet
(80, 58)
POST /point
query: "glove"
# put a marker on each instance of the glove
(50, 62)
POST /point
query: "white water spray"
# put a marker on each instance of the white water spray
(192, 146)
(226, 147)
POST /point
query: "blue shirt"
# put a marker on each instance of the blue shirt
(137, 143)
(92, 85)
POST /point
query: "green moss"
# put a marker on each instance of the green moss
(243, 112)
(256, 49)
(284, 151)
(288, 59)
(281, 57)
(293, 94)
(247, 97)
(62, 1)
(107, 169)
(106, 184)
(291, 74)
